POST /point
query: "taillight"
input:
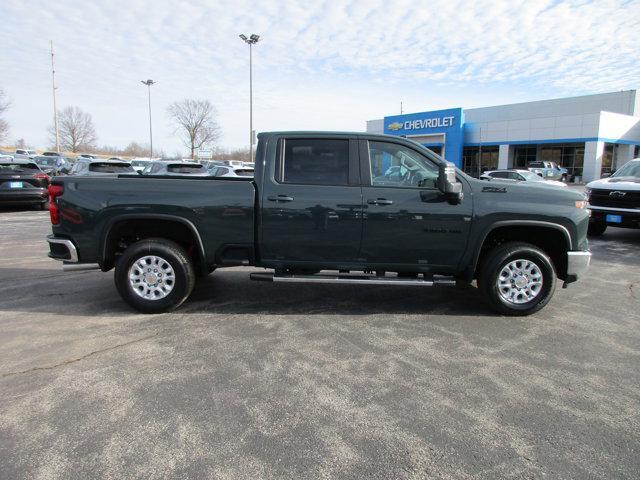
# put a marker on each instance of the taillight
(54, 192)
(41, 176)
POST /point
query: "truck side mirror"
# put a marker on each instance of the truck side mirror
(448, 184)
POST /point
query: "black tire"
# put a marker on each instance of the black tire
(498, 259)
(173, 255)
(596, 229)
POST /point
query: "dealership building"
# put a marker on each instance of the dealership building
(590, 135)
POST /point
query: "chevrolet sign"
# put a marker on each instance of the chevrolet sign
(420, 124)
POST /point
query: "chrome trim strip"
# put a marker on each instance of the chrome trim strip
(613, 209)
(361, 280)
(73, 252)
(578, 262)
(75, 267)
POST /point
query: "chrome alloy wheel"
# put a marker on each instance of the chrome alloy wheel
(152, 277)
(520, 281)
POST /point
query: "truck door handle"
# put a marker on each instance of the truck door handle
(280, 198)
(380, 201)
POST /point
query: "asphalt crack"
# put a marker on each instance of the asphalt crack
(78, 359)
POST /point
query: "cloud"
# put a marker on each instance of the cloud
(324, 65)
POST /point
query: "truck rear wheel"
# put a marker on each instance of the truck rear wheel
(154, 275)
(517, 278)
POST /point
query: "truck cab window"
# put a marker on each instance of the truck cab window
(394, 165)
(316, 161)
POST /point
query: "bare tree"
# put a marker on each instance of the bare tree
(76, 130)
(195, 122)
(4, 106)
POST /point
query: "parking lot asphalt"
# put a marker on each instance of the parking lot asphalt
(254, 380)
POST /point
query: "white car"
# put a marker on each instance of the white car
(24, 153)
(230, 171)
(615, 201)
(519, 176)
(139, 164)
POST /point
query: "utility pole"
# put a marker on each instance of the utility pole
(148, 83)
(401, 112)
(55, 108)
(252, 39)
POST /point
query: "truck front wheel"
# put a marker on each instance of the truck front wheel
(517, 278)
(154, 275)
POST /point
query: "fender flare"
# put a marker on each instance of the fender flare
(157, 216)
(519, 223)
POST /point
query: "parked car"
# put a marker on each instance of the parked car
(5, 157)
(312, 207)
(22, 182)
(23, 153)
(615, 201)
(519, 176)
(53, 165)
(86, 156)
(88, 166)
(209, 164)
(168, 167)
(228, 171)
(139, 164)
(549, 170)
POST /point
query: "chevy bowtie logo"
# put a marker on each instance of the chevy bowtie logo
(395, 126)
(617, 194)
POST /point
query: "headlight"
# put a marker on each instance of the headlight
(581, 204)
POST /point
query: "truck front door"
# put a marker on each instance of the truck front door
(408, 222)
(311, 203)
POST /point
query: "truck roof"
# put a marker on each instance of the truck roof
(329, 133)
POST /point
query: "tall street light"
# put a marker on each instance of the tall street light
(253, 38)
(148, 83)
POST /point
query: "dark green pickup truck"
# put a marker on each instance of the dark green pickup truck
(325, 207)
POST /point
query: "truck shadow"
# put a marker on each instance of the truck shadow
(231, 292)
(228, 291)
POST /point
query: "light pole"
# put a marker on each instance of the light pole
(253, 38)
(148, 83)
(55, 108)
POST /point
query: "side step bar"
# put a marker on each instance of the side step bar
(353, 279)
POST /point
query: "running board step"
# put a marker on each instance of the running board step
(354, 279)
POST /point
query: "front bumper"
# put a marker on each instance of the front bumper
(62, 249)
(577, 263)
(630, 216)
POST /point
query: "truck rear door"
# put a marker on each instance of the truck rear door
(311, 202)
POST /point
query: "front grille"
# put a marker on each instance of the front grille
(602, 198)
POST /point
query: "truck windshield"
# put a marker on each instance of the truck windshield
(17, 167)
(111, 168)
(631, 169)
(179, 168)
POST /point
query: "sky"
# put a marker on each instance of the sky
(318, 65)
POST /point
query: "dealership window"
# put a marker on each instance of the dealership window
(567, 155)
(316, 162)
(636, 152)
(609, 157)
(477, 160)
(523, 155)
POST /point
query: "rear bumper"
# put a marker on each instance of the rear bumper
(577, 264)
(62, 249)
(27, 196)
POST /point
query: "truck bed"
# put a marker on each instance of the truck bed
(220, 210)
